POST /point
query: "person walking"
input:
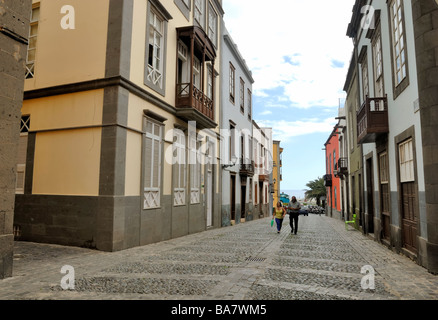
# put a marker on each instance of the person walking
(278, 213)
(294, 213)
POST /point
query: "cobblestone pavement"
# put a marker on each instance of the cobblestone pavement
(248, 261)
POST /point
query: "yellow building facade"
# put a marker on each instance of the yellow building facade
(277, 176)
(111, 87)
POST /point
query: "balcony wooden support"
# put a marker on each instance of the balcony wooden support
(372, 119)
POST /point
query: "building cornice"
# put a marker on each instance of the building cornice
(233, 47)
(100, 84)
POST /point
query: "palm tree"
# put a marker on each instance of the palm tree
(316, 190)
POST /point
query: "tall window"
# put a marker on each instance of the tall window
(33, 36)
(249, 97)
(199, 12)
(365, 79)
(233, 145)
(378, 67)
(155, 53)
(242, 95)
(334, 159)
(183, 69)
(179, 154)
(22, 153)
(406, 158)
(232, 83)
(152, 164)
(384, 181)
(398, 41)
(197, 73)
(212, 25)
(210, 82)
(195, 170)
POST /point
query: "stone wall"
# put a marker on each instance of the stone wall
(14, 30)
(425, 14)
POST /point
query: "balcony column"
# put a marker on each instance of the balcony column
(204, 111)
(192, 65)
(212, 88)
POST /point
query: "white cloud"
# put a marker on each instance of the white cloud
(286, 130)
(291, 45)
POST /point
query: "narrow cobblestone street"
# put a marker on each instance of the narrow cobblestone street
(248, 261)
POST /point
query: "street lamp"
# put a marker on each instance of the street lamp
(233, 163)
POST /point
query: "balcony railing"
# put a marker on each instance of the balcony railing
(341, 167)
(190, 98)
(372, 119)
(247, 169)
(328, 180)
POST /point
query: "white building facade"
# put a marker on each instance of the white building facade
(388, 125)
(236, 133)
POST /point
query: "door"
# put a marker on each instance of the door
(242, 202)
(233, 197)
(370, 198)
(409, 217)
(209, 200)
(408, 196)
(384, 195)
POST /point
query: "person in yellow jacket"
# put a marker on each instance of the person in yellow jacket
(278, 213)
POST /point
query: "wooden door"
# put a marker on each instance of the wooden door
(242, 202)
(370, 197)
(209, 199)
(409, 217)
(233, 197)
(384, 195)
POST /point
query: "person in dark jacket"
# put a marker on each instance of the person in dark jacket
(294, 212)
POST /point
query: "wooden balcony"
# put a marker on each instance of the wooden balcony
(372, 119)
(328, 180)
(247, 169)
(192, 102)
(193, 105)
(341, 167)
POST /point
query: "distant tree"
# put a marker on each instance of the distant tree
(316, 190)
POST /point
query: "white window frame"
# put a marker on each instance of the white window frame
(152, 191)
(197, 73)
(406, 161)
(212, 24)
(210, 82)
(179, 153)
(378, 67)
(155, 71)
(198, 12)
(232, 83)
(365, 78)
(195, 170)
(242, 95)
(383, 168)
(398, 41)
(33, 38)
(249, 97)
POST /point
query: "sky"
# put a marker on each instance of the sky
(299, 56)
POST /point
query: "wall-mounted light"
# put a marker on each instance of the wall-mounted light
(233, 163)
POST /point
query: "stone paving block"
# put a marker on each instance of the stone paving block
(322, 262)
